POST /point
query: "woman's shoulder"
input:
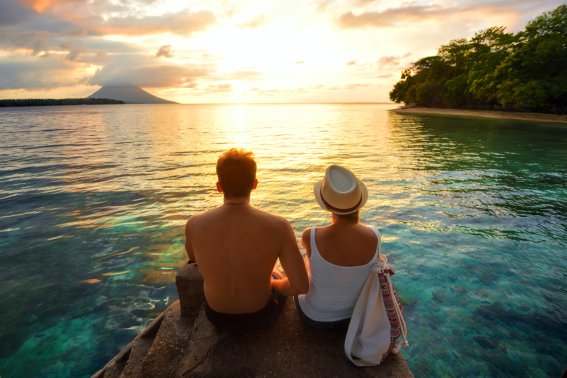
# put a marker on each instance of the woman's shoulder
(306, 234)
(370, 230)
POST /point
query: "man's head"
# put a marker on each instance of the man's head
(236, 171)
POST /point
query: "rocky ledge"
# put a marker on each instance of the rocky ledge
(181, 342)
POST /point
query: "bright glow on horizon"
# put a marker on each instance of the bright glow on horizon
(234, 52)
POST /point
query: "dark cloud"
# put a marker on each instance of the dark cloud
(18, 73)
(142, 71)
(165, 51)
(12, 13)
(46, 34)
(79, 19)
(37, 42)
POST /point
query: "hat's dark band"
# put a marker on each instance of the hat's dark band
(332, 208)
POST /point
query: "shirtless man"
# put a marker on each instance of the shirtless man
(236, 247)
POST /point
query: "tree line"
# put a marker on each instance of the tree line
(526, 71)
(65, 101)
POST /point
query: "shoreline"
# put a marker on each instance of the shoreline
(531, 117)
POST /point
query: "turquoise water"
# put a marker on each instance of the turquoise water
(93, 200)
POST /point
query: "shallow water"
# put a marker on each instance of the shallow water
(93, 200)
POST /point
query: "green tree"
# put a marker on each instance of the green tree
(495, 69)
(534, 77)
(491, 47)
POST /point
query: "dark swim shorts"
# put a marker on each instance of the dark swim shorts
(248, 321)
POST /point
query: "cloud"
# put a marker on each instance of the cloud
(103, 17)
(237, 75)
(354, 86)
(434, 12)
(45, 34)
(388, 62)
(217, 88)
(351, 63)
(391, 17)
(255, 22)
(23, 73)
(165, 51)
(142, 71)
(12, 13)
(183, 23)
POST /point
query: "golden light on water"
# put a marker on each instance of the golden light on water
(173, 150)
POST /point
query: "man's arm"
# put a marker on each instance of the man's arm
(306, 241)
(296, 281)
(188, 246)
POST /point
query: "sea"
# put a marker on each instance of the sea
(94, 199)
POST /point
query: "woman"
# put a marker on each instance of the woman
(340, 254)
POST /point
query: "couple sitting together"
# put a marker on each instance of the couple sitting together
(236, 247)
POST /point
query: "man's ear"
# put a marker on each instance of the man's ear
(255, 184)
(219, 187)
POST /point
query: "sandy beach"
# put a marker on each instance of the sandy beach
(537, 117)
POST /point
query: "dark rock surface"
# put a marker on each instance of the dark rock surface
(288, 347)
(189, 347)
(181, 342)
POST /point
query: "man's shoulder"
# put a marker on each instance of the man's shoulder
(199, 218)
(274, 219)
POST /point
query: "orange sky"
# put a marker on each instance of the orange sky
(234, 51)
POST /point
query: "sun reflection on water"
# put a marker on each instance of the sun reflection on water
(94, 203)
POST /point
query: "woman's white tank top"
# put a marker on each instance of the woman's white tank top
(333, 289)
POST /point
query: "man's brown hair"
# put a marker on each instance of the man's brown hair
(236, 170)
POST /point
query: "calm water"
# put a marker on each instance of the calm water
(93, 201)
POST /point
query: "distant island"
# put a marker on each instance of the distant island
(130, 94)
(495, 70)
(64, 101)
(107, 95)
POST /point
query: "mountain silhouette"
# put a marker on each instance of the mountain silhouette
(130, 94)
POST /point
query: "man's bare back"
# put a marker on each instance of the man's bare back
(236, 247)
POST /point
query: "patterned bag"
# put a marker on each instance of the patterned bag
(377, 319)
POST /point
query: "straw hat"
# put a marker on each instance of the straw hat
(340, 191)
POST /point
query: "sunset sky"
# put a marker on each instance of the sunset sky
(234, 51)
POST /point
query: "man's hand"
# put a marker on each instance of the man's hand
(296, 281)
(283, 286)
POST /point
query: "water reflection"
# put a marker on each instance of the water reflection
(94, 199)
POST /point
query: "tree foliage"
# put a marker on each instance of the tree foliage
(526, 71)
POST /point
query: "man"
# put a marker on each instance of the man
(236, 247)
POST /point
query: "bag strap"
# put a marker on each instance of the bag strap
(403, 328)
